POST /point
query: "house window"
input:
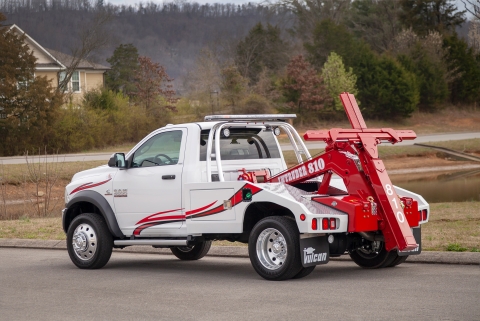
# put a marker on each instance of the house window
(74, 83)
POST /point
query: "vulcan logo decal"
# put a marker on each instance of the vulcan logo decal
(309, 256)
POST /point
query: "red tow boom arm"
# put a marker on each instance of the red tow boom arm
(353, 155)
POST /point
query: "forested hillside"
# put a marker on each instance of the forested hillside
(171, 33)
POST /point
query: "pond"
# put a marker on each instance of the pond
(442, 187)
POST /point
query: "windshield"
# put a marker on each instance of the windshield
(243, 143)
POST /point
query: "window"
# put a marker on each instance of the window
(74, 83)
(160, 150)
(243, 143)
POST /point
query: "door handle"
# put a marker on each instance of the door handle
(168, 177)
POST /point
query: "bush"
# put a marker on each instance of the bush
(255, 104)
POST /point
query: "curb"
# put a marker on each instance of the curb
(432, 257)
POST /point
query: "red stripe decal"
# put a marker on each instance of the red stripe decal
(199, 209)
(151, 218)
(88, 185)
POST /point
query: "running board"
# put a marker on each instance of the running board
(151, 242)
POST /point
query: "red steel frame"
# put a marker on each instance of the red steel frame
(365, 178)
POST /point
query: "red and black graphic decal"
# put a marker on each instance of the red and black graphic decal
(88, 185)
(171, 217)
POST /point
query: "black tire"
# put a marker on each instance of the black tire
(190, 253)
(398, 260)
(286, 243)
(93, 241)
(304, 272)
(374, 260)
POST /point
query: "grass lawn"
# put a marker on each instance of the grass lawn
(452, 226)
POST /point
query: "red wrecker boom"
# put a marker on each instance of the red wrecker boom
(352, 154)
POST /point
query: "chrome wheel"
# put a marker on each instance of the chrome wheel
(271, 249)
(84, 242)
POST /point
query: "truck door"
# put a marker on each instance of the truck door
(148, 195)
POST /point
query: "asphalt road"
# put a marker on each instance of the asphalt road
(310, 145)
(45, 285)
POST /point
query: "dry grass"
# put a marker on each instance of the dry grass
(451, 225)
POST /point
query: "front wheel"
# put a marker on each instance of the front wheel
(89, 241)
(373, 256)
(274, 249)
(194, 252)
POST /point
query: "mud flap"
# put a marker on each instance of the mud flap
(417, 233)
(314, 250)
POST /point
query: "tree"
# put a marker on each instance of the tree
(376, 21)
(473, 7)
(386, 89)
(28, 104)
(328, 37)
(338, 80)
(311, 12)
(465, 65)
(124, 65)
(424, 57)
(233, 85)
(429, 15)
(154, 88)
(92, 36)
(303, 88)
(262, 48)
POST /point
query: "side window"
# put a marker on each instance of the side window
(160, 150)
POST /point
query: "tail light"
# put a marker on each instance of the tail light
(325, 223)
(423, 215)
(314, 224)
(333, 224)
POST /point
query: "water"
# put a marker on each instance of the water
(442, 187)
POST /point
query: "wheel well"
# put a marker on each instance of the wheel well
(80, 208)
(259, 210)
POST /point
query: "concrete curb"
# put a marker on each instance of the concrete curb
(463, 258)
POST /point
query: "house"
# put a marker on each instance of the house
(52, 64)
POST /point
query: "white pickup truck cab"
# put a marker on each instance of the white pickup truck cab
(185, 185)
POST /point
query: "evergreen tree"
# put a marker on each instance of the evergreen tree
(262, 48)
(428, 15)
(233, 85)
(124, 65)
(465, 66)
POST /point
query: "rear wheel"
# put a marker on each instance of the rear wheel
(89, 241)
(194, 252)
(373, 255)
(274, 249)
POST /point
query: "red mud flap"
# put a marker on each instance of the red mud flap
(314, 251)
(417, 233)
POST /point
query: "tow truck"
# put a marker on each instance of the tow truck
(184, 186)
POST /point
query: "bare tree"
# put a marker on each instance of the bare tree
(473, 7)
(92, 36)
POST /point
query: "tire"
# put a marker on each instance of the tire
(190, 253)
(370, 259)
(304, 272)
(274, 248)
(89, 242)
(398, 260)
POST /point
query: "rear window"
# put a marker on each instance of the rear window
(243, 143)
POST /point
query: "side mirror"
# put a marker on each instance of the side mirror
(117, 160)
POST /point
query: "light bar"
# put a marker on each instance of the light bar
(250, 118)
